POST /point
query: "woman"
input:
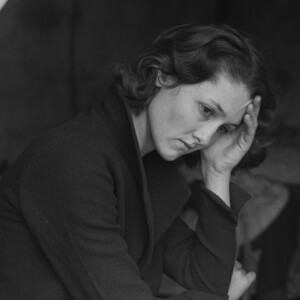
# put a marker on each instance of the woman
(91, 209)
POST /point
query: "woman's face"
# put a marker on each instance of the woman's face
(190, 117)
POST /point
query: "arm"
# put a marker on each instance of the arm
(217, 162)
(204, 259)
(198, 262)
(71, 209)
(219, 158)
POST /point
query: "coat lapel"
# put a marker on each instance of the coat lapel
(118, 116)
(162, 189)
(168, 190)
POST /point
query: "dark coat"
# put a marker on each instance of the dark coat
(83, 217)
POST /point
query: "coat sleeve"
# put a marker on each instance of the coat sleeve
(70, 206)
(203, 259)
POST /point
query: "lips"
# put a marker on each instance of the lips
(190, 147)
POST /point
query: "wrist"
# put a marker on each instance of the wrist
(210, 173)
(218, 184)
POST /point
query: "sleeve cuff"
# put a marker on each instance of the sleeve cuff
(205, 200)
(238, 198)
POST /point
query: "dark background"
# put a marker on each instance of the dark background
(57, 58)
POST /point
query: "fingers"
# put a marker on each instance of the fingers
(256, 103)
(253, 109)
(237, 265)
(251, 116)
(251, 277)
(240, 282)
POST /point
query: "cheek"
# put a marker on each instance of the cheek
(182, 119)
(168, 121)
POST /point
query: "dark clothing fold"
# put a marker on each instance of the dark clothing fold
(83, 216)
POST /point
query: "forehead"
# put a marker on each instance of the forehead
(230, 88)
(225, 92)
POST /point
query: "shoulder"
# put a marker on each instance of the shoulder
(80, 146)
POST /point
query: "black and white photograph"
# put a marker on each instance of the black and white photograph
(149, 150)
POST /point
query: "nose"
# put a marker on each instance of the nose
(204, 135)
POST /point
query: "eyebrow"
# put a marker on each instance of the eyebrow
(219, 107)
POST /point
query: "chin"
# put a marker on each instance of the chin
(168, 155)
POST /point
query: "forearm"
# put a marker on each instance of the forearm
(203, 259)
(193, 258)
(218, 184)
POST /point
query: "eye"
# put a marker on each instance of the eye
(226, 129)
(223, 129)
(205, 110)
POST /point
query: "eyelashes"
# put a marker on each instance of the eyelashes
(225, 129)
(207, 112)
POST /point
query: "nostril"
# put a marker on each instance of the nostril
(206, 136)
(197, 139)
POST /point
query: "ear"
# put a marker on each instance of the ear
(163, 80)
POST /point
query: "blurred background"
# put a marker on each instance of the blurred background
(57, 58)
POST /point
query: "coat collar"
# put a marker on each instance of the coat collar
(119, 118)
(163, 190)
(125, 140)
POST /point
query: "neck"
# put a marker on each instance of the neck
(142, 130)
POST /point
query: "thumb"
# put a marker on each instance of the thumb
(251, 277)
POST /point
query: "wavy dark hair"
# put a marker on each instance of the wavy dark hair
(192, 54)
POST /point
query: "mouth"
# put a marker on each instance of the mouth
(186, 145)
